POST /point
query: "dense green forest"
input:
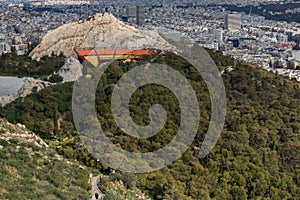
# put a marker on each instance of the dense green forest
(14, 65)
(257, 156)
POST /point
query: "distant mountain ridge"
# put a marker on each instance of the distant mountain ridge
(99, 31)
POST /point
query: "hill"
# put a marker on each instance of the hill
(101, 30)
(257, 156)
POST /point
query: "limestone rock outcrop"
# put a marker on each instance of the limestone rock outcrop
(99, 31)
(11, 131)
(30, 85)
(71, 70)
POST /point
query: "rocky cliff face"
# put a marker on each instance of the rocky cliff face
(29, 86)
(101, 30)
(71, 70)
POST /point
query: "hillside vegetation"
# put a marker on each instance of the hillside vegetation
(29, 170)
(14, 65)
(257, 156)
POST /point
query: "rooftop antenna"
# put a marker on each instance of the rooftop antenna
(250, 14)
(87, 10)
(250, 11)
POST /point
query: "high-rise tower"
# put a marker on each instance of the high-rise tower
(233, 21)
(140, 14)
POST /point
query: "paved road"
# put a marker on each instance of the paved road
(9, 85)
(95, 188)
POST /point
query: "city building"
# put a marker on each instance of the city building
(43, 3)
(2, 48)
(137, 13)
(233, 21)
(131, 12)
(218, 34)
(140, 15)
(296, 52)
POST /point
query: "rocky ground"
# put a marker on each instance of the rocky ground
(10, 131)
(10, 85)
(26, 87)
(71, 70)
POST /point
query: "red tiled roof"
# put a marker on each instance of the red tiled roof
(93, 52)
(285, 45)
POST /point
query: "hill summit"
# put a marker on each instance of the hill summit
(99, 31)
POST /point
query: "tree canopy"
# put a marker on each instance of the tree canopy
(257, 156)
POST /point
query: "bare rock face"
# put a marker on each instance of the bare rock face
(71, 70)
(101, 30)
(30, 85)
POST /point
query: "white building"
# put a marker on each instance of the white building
(296, 53)
(2, 48)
